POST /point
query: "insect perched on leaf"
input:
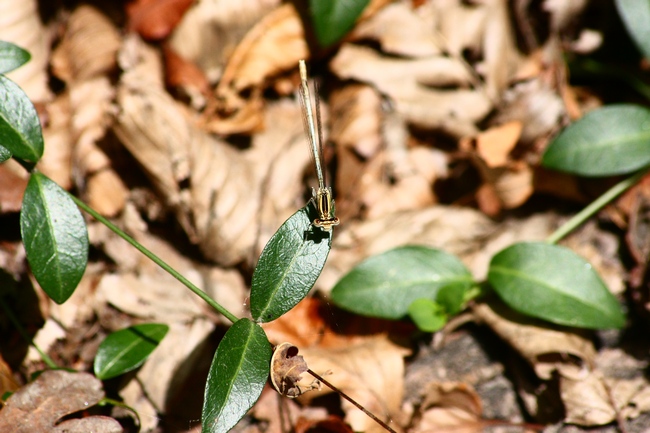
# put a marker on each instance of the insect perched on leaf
(322, 196)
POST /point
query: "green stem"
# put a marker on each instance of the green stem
(23, 332)
(200, 293)
(595, 206)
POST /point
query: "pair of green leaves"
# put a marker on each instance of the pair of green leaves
(287, 269)
(538, 279)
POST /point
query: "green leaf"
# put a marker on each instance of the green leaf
(289, 266)
(127, 349)
(609, 141)
(20, 128)
(334, 18)
(386, 285)
(55, 237)
(636, 16)
(239, 371)
(4, 154)
(553, 283)
(12, 57)
(428, 315)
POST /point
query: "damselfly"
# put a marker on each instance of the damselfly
(322, 196)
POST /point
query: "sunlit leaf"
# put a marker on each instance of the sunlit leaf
(289, 266)
(551, 282)
(609, 141)
(387, 284)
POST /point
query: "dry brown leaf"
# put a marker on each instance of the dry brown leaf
(303, 325)
(449, 406)
(273, 45)
(184, 74)
(400, 30)
(281, 412)
(39, 405)
(89, 46)
(408, 83)
(356, 119)
(155, 19)
(20, 24)
(546, 347)
(211, 29)
(495, 144)
(370, 370)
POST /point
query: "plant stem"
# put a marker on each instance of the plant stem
(157, 260)
(595, 206)
(23, 332)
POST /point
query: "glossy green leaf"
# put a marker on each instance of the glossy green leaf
(636, 17)
(428, 315)
(609, 141)
(55, 237)
(387, 284)
(4, 154)
(289, 266)
(125, 350)
(239, 371)
(12, 57)
(334, 18)
(551, 282)
(20, 128)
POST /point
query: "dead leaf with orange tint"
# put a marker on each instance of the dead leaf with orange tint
(39, 406)
(494, 145)
(155, 19)
(449, 406)
(274, 45)
(304, 325)
(183, 74)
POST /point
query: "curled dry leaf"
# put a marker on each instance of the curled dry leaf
(210, 31)
(546, 348)
(408, 83)
(399, 30)
(21, 25)
(273, 45)
(38, 406)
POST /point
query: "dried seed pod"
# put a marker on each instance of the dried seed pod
(286, 368)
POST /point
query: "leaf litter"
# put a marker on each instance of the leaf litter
(198, 130)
